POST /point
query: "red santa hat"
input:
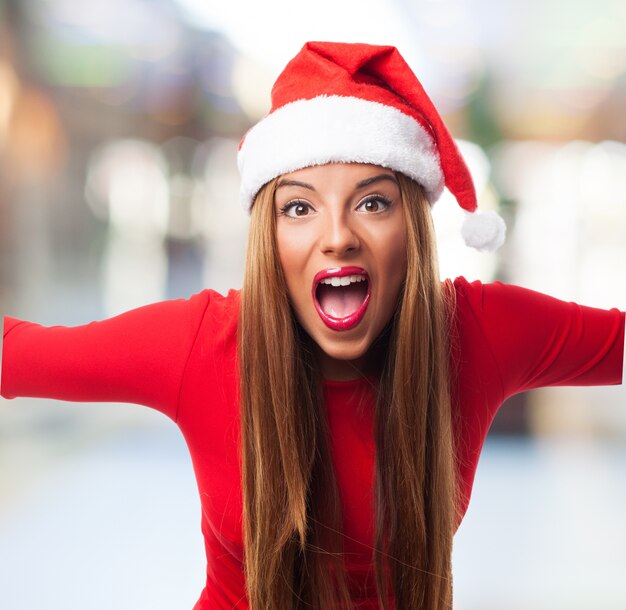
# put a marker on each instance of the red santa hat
(360, 103)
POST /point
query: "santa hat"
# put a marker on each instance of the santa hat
(360, 103)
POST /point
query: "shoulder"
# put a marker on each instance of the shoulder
(178, 317)
(465, 297)
(215, 301)
(216, 307)
(498, 312)
(473, 293)
(499, 298)
(206, 314)
(216, 318)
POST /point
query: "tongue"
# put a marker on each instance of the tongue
(341, 301)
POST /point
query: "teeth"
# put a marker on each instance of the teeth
(343, 281)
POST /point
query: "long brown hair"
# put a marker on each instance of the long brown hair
(292, 513)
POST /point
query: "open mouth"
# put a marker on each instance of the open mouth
(341, 296)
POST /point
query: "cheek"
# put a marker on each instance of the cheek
(400, 256)
(394, 266)
(292, 254)
(286, 249)
(392, 246)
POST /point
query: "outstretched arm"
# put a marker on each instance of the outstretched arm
(138, 356)
(535, 340)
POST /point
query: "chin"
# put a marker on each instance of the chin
(341, 350)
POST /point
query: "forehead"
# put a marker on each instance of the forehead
(349, 171)
(336, 176)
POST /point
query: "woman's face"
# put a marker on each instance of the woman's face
(342, 224)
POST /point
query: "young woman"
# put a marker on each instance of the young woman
(336, 406)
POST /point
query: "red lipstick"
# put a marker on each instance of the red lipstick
(352, 319)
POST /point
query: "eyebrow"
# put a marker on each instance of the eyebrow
(295, 183)
(359, 185)
(374, 179)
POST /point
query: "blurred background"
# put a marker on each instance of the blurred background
(119, 125)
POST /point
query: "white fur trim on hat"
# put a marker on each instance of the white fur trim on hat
(337, 129)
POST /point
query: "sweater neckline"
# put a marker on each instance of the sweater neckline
(366, 380)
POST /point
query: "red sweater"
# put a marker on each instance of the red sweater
(180, 357)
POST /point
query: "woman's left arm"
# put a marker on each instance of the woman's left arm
(538, 340)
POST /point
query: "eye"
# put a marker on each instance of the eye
(296, 209)
(374, 204)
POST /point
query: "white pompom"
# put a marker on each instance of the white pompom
(484, 231)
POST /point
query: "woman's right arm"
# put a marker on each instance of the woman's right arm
(138, 356)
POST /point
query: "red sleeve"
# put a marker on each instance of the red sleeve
(138, 356)
(536, 340)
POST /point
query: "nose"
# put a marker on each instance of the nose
(338, 236)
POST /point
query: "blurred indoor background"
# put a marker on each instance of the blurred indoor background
(119, 125)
